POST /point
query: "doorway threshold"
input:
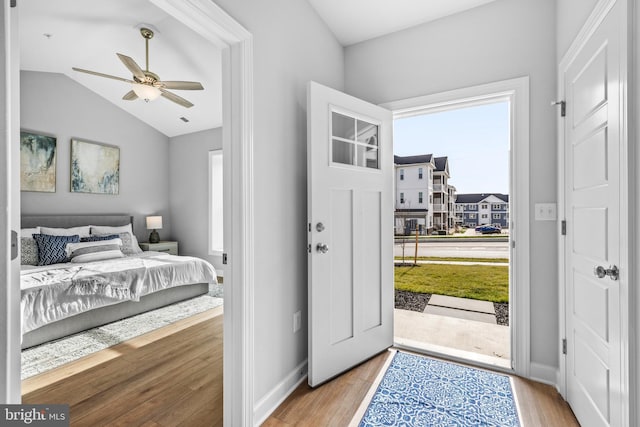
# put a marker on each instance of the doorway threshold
(463, 340)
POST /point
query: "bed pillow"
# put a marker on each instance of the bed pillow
(29, 232)
(52, 249)
(99, 237)
(107, 229)
(83, 231)
(94, 250)
(28, 251)
(130, 244)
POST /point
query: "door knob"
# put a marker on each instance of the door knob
(322, 248)
(612, 272)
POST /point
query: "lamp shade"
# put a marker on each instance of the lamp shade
(154, 222)
(146, 92)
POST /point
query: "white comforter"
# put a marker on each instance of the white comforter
(51, 293)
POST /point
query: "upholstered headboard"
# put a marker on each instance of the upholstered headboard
(66, 221)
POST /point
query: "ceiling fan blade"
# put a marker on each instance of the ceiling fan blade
(182, 85)
(130, 96)
(175, 98)
(132, 66)
(108, 76)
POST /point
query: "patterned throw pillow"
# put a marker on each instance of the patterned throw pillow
(127, 242)
(52, 249)
(28, 251)
(99, 237)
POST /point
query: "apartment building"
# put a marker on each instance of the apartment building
(424, 200)
(480, 209)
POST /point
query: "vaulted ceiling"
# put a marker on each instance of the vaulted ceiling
(58, 35)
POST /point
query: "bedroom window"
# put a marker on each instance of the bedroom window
(216, 225)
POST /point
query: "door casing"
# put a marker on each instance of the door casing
(516, 92)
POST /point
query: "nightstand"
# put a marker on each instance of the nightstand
(162, 246)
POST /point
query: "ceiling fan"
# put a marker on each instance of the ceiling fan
(145, 84)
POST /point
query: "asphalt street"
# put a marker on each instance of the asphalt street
(459, 248)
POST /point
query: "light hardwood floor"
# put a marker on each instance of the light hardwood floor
(173, 377)
(334, 403)
(168, 377)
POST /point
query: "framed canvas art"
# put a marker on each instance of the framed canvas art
(95, 167)
(37, 162)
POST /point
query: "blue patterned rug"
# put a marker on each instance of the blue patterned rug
(420, 391)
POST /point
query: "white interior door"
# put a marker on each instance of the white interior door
(350, 211)
(592, 144)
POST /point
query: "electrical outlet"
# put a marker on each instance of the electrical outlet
(297, 321)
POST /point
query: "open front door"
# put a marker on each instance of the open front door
(350, 211)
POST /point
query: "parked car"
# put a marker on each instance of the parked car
(488, 229)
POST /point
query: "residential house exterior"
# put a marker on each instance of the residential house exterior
(414, 193)
(480, 209)
(424, 200)
(443, 196)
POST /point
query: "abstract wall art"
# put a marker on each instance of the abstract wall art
(37, 162)
(95, 168)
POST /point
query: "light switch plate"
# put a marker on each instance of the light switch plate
(546, 212)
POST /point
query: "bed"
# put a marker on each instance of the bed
(61, 299)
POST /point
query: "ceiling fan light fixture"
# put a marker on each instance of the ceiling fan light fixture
(146, 92)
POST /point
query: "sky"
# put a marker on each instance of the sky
(476, 140)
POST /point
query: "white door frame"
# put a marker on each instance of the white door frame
(627, 203)
(516, 92)
(213, 23)
(10, 330)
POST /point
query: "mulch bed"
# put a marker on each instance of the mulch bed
(413, 301)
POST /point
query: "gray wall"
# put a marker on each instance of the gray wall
(291, 46)
(571, 16)
(189, 192)
(498, 41)
(54, 104)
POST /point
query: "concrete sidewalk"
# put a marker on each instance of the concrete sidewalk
(410, 260)
(459, 327)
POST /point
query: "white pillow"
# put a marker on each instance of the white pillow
(29, 232)
(106, 229)
(83, 231)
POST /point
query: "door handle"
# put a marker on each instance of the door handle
(612, 272)
(322, 248)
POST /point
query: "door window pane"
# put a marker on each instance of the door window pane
(354, 142)
(343, 152)
(343, 126)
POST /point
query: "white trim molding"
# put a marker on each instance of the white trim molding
(270, 402)
(10, 320)
(516, 92)
(213, 23)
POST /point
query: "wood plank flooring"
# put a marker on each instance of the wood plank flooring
(335, 403)
(173, 377)
(169, 377)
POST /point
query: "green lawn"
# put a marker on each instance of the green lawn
(481, 282)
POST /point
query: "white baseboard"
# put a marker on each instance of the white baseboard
(543, 373)
(279, 393)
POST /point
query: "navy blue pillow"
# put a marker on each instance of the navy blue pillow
(99, 237)
(52, 249)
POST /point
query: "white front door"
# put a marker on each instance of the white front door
(593, 139)
(350, 211)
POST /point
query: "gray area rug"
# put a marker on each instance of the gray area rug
(45, 357)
